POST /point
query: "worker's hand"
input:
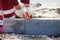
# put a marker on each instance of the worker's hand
(21, 13)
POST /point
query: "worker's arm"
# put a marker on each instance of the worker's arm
(16, 4)
(25, 2)
(19, 10)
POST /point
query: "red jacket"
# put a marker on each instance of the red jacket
(8, 4)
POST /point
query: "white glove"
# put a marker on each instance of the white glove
(30, 11)
(20, 12)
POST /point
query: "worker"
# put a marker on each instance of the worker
(8, 10)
